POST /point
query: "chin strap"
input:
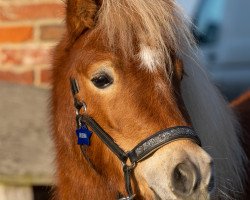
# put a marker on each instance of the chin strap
(139, 152)
(127, 170)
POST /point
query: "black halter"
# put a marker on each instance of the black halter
(139, 152)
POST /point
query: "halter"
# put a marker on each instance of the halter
(138, 153)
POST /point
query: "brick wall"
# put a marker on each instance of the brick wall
(28, 31)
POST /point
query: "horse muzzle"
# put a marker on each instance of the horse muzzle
(180, 170)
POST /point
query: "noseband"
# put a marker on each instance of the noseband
(138, 153)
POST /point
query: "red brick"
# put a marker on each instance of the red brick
(46, 75)
(23, 78)
(16, 34)
(51, 32)
(31, 11)
(25, 56)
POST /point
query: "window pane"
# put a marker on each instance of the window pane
(210, 16)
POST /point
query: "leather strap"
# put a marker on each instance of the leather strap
(159, 139)
(145, 147)
(105, 137)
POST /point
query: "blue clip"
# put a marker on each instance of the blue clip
(83, 135)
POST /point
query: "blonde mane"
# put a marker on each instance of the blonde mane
(154, 24)
(160, 26)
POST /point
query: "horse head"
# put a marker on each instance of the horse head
(125, 56)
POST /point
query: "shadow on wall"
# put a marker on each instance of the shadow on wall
(26, 149)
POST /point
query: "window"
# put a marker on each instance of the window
(208, 21)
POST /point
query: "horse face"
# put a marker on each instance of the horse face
(131, 103)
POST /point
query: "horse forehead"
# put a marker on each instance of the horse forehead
(149, 58)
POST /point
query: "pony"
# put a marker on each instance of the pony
(135, 72)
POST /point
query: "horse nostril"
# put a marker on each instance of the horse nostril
(184, 179)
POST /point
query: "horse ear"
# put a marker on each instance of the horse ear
(178, 67)
(80, 16)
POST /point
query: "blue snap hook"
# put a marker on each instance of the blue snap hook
(83, 135)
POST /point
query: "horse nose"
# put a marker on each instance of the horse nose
(186, 178)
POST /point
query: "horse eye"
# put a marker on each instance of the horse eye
(102, 81)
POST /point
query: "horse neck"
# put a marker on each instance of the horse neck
(76, 178)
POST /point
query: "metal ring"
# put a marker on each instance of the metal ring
(128, 198)
(130, 167)
(84, 106)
